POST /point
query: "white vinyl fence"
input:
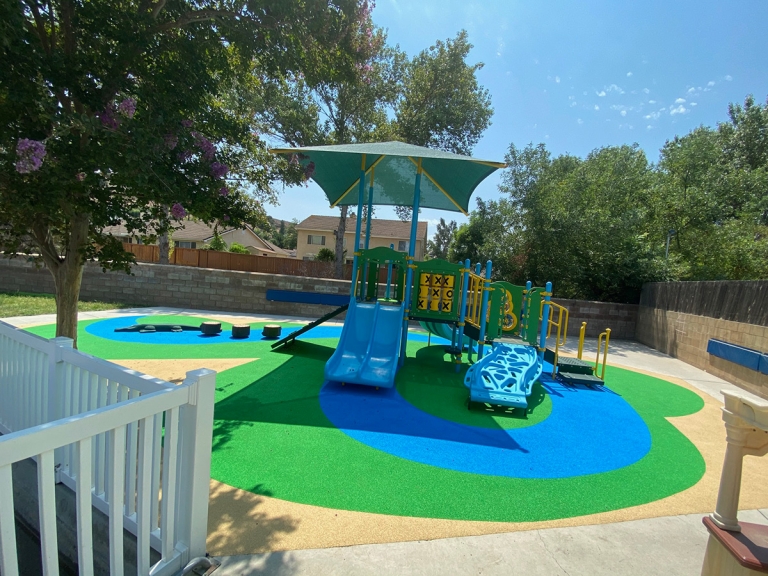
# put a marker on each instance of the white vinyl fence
(135, 447)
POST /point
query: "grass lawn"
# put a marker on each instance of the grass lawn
(26, 304)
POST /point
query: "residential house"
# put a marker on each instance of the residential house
(195, 234)
(317, 232)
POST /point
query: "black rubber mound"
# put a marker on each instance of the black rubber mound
(271, 331)
(210, 328)
(241, 331)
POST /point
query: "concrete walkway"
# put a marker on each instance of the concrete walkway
(671, 545)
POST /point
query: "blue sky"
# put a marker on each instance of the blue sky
(581, 75)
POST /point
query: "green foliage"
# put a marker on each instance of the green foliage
(438, 248)
(26, 304)
(136, 106)
(216, 243)
(238, 248)
(597, 227)
(325, 255)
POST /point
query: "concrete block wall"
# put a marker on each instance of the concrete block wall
(620, 318)
(180, 287)
(685, 336)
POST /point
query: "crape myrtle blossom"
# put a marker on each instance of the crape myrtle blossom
(30, 154)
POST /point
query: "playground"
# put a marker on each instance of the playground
(445, 403)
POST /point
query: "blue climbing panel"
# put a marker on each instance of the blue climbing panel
(505, 377)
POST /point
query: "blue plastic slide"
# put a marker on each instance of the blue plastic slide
(504, 377)
(368, 348)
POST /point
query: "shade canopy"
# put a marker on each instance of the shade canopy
(447, 184)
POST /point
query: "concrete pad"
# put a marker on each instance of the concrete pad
(657, 546)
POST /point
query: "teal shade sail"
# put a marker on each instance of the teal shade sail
(447, 184)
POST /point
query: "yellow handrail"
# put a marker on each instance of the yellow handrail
(474, 299)
(582, 333)
(607, 335)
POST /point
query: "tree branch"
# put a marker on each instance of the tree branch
(192, 17)
(40, 27)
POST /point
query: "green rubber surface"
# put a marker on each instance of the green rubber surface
(272, 438)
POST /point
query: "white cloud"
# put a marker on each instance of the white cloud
(585, 92)
(629, 74)
(680, 101)
(711, 83)
(601, 93)
(614, 88)
(536, 61)
(623, 112)
(573, 104)
(649, 127)
(662, 109)
(499, 46)
(651, 101)
(571, 97)
(691, 90)
(557, 79)
(597, 107)
(693, 104)
(729, 77)
(646, 91)
(678, 110)
(579, 121)
(546, 136)
(652, 116)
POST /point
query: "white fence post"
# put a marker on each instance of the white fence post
(53, 410)
(195, 432)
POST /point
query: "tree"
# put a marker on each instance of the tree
(438, 247)
(237, 248)
(217, 243)
(325, 255)
(434, 100)
(111, 112)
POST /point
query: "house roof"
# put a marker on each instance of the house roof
(196, 231)
(380, 228)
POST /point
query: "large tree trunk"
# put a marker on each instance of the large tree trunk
(67, 271)
(342, 228)
(68, 279)
(164, 245)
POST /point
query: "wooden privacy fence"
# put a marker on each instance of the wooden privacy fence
(735, 300)
(239, 262)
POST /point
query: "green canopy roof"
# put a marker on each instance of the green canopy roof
(447, 184)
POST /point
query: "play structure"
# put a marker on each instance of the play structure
(389, 288)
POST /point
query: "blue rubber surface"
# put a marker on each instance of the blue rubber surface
(588, 432)
(106, 329)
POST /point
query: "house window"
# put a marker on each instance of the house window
(319, 240)
(402, 245)
(309, 257)
(186, 244)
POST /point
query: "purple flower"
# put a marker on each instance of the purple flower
(207, 148)
(80, 176)
(219, 170)
(108, 119)
(171, 140)
(187, 123)
(185, 155)
(31, 154)
(127, 107)
(224, 191)
(309, 170)
(226, 218)
(178, 212)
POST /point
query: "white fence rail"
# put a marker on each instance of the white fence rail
(136, 447)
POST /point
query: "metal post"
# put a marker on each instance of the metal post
(523, 316)
(360, 199)
(462, 313)
(54, 391)
(544, 320)
(389, 274)
(411, 252)
(484, 309)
